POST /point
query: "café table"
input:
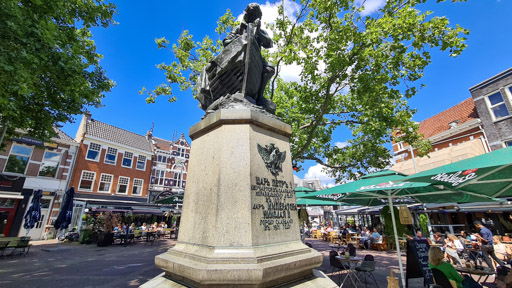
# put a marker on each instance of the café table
(351, 271)
(337, 247)
(486, 272)
(149, 235)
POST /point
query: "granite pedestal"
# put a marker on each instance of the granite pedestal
(239, 225)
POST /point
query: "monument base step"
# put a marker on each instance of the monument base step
(319, 279)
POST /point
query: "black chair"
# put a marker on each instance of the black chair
(335, 263)
(367, 268)
(440, 279)
(352, 250)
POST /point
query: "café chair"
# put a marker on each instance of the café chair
(367, 268)
(3, 247)
(441, 280)
(335, 263)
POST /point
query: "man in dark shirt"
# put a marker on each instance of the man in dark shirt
(485, 237)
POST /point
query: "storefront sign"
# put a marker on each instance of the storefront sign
(33, 141)
(11, 183)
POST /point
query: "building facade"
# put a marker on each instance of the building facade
(28, 164)
(112, 168)
(455, 133)
(170, 166)
(493, 100)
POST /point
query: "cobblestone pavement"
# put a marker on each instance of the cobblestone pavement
(75, 265)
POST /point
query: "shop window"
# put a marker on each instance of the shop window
(50, 164)
(137, 186)
(105, 183)
(122, 186)
(127, 159)
(141, 162)
(110, 156)
(7, 203)
(93, 152)
(18, 159)
(87, 180)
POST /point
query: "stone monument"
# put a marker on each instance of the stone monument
(239, 225)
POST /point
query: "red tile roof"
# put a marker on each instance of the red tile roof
(464, 111)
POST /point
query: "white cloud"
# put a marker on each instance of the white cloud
(341, 144)
(317, 172)
(370, 6)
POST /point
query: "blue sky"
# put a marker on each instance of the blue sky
(130, 56)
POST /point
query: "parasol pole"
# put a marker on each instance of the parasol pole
(390, 203)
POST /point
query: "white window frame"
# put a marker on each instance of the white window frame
(108, 152)
(23, 155)
(157, 173)
(141, 161)
(160, 157)
(135, 180)
(101, 181)
(91, 144)
(400, 146)
(119, 185)
(43, 161)
(124, 157)
(490, 106)
(82, 178)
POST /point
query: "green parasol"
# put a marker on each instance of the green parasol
(486, 175)
(389, 187)
(175, 199)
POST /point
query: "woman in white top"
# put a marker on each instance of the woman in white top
(451, 247)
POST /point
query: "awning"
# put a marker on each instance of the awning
(10, 196)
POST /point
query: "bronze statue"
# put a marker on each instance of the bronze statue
(238, 75)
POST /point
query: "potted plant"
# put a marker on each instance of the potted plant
(107, 222)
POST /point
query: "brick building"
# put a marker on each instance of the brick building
(455, 133)
(29, 164)
(112, 168)
(493, 100)
(170, 165)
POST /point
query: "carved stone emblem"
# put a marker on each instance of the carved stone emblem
(272, 158)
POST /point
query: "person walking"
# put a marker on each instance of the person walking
(484, 235)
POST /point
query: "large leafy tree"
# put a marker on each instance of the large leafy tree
(49, 67)
(356, 72)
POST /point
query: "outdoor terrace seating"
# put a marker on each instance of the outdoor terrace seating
(12, 246)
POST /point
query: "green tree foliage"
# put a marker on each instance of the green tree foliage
(388, 224)
(356, 72)
(49, 66)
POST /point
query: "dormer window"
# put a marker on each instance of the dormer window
(453, 124)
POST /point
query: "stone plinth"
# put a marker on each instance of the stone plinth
(239, 225)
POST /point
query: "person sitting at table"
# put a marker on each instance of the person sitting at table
(436, 260)
(452, 249)
(144, 227)
(419, 236)
(374, 237)
(501, 249)
(438, 238)
(365, 234)
(485, 237)
(164, 225)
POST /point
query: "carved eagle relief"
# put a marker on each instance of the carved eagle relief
(272, 158)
